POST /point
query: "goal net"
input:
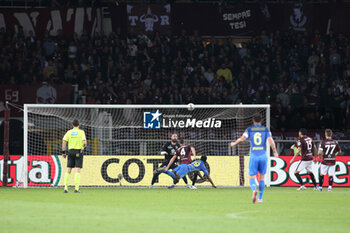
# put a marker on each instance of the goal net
(124, 142)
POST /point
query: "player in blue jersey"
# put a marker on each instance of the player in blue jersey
(182, 170)
(257, 135)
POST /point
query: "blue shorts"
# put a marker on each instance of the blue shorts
(181, 170)
(257, 164)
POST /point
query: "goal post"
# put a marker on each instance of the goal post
(268, 149)
(24, 174)
(125, 141)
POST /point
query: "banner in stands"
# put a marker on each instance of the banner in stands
(144, 18)
(210, 19)
(299, 17)
(213, 20)
(40, 94)
(104, 171)
(69, 20)
(240, 20)
(282, 172)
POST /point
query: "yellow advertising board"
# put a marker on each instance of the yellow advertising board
(138, 171)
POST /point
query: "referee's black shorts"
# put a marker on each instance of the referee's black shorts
(75, 159)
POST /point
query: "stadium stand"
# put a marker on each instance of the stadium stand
(292, 71)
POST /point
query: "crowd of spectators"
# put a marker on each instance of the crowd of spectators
(304, 76)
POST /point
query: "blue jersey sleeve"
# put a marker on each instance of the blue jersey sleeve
(204, 169)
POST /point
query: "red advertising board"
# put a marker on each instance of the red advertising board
(43, 170)
(282, 172)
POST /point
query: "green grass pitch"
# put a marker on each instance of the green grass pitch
(178, 210)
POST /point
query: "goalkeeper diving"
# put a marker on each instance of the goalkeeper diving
(182, 170)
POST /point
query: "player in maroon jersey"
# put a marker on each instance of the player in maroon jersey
(184, 152)
(329, 148)
(305, 148)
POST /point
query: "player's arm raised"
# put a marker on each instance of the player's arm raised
(171, 162)
(194, 152)
(273, 146)
(296, 154)
(239, 140)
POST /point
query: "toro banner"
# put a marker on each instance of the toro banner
(43, 170)
(69, 20)
(282, 172)
(148, 18)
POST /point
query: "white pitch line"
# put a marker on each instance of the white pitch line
(237, 215)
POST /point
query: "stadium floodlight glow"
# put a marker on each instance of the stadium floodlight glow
(124, 141)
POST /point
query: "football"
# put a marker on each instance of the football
(190, 106)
